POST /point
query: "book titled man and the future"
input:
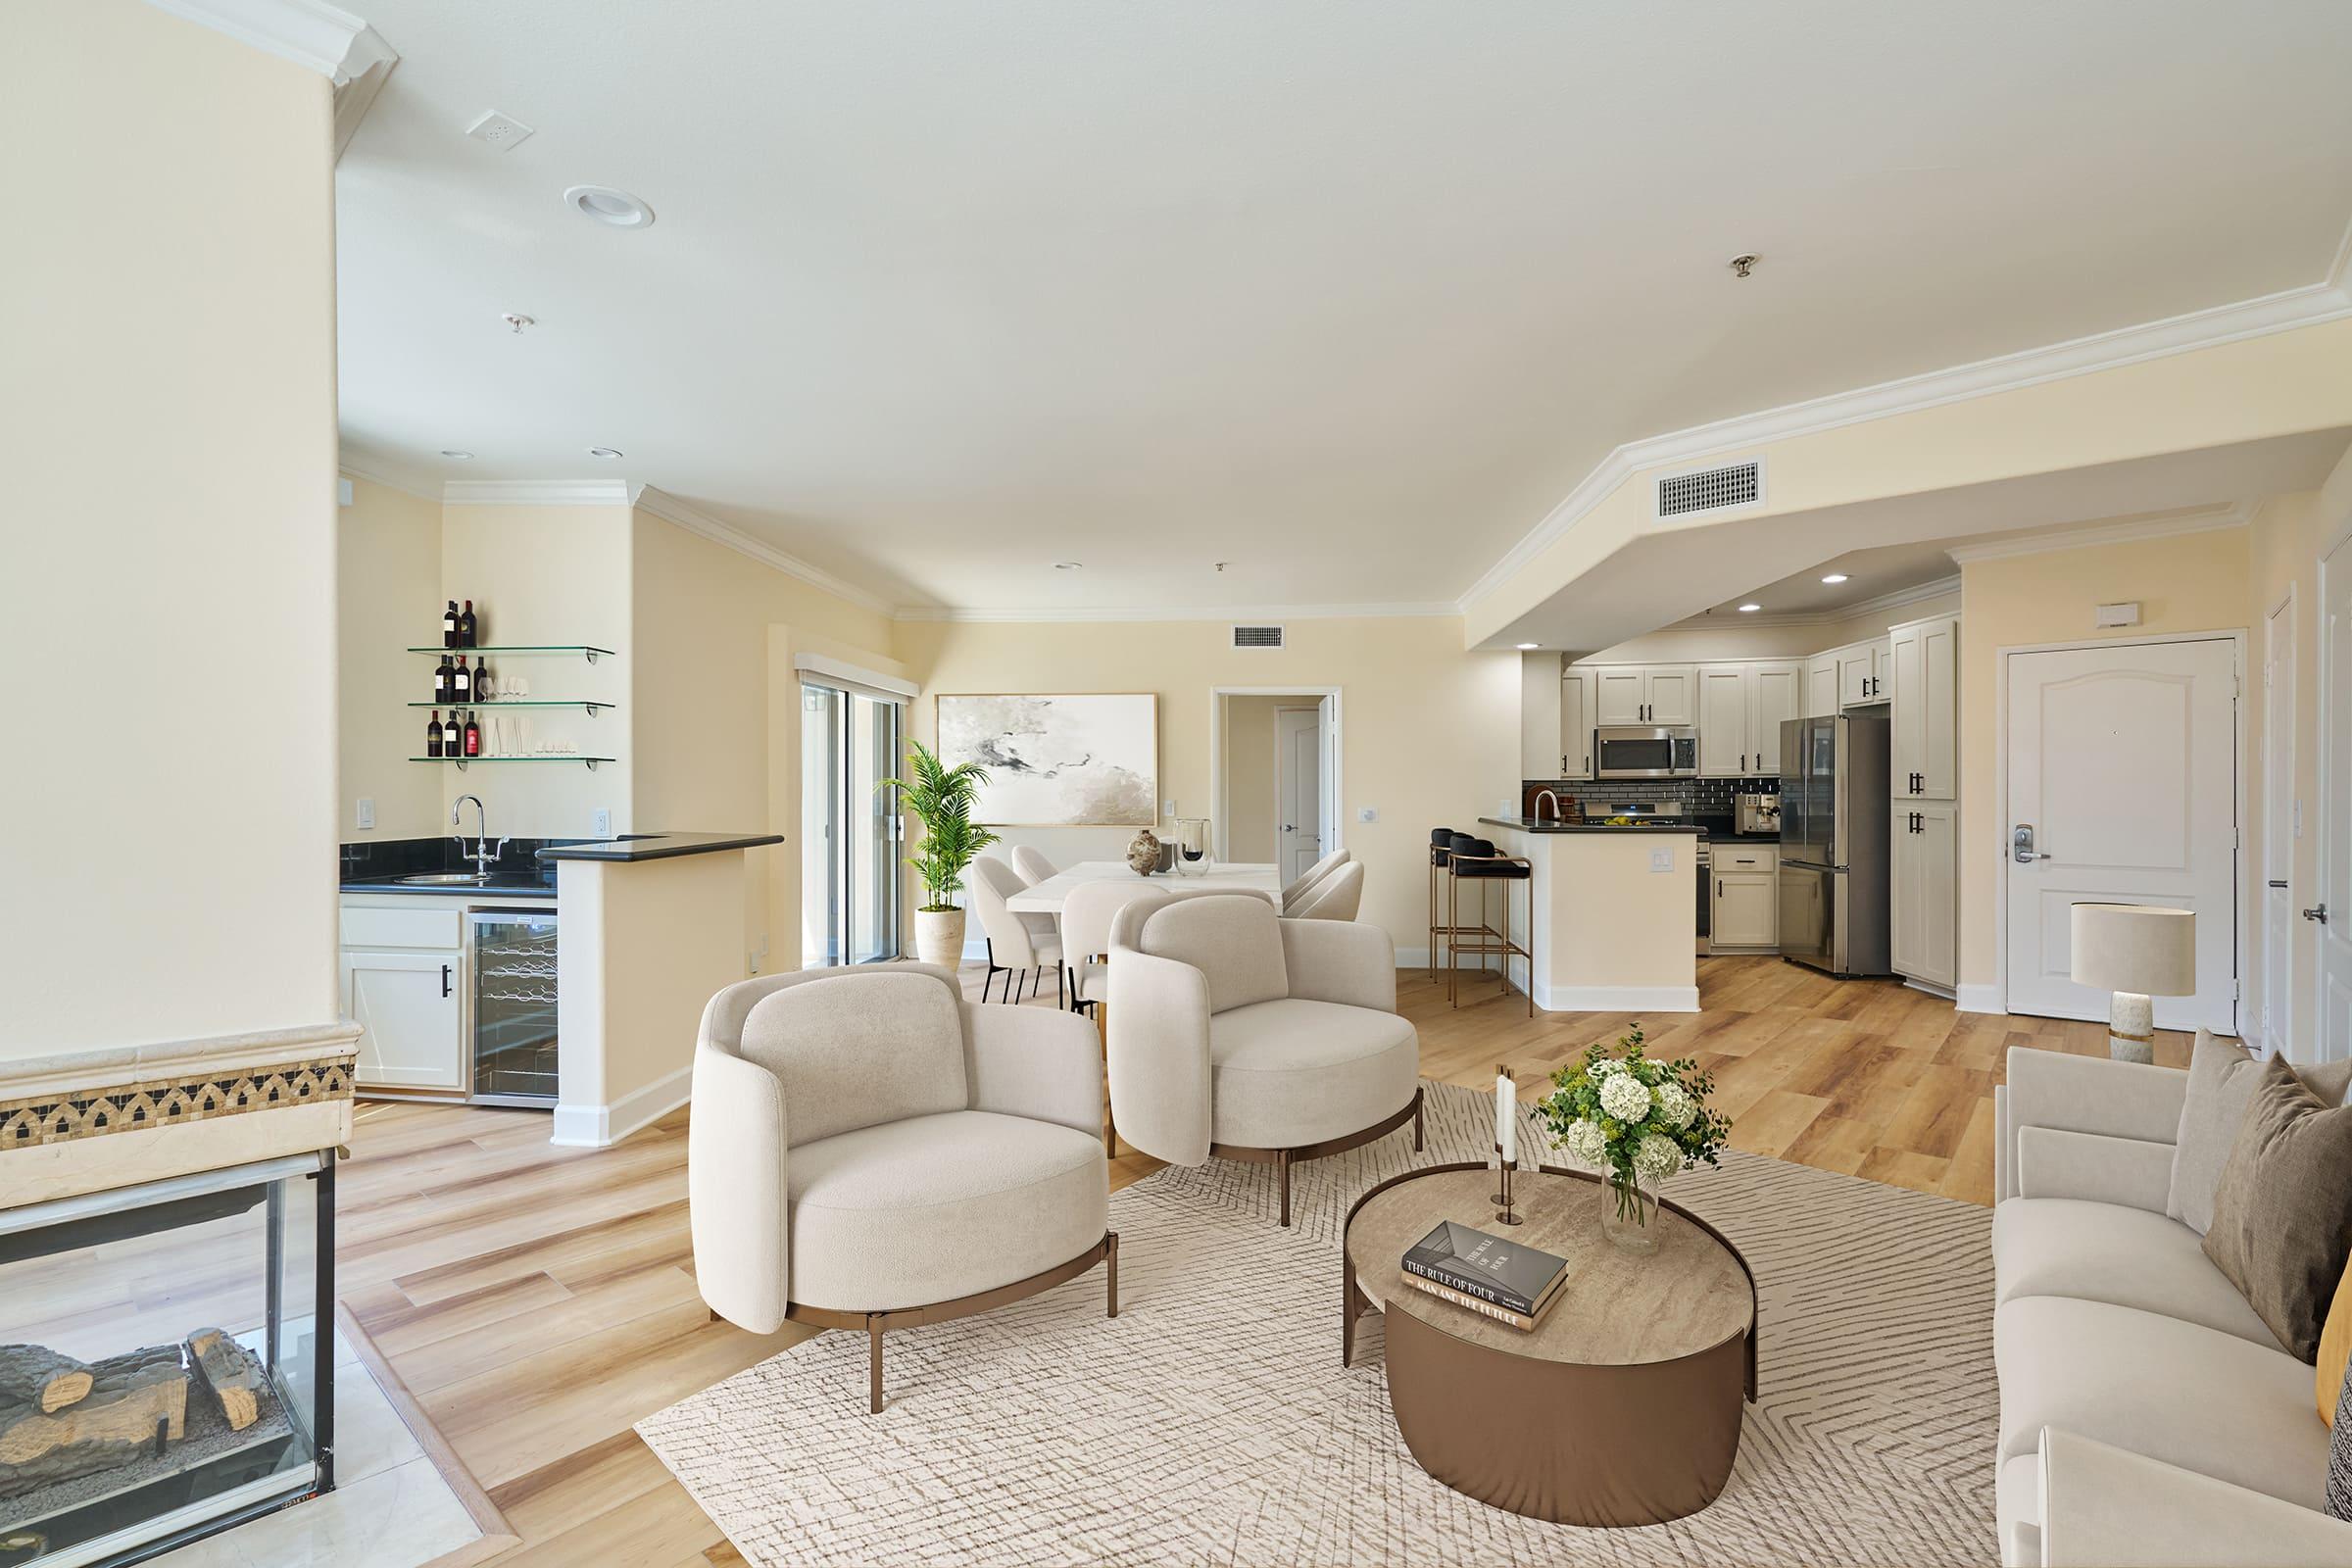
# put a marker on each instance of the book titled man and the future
(1485, 1273)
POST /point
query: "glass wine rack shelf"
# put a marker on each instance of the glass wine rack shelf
(593, 709)
(591, 654)
(463, 762)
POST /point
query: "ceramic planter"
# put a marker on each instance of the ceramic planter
(939, 937)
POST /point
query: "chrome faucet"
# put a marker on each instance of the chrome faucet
(482, 854)
(1547, 795)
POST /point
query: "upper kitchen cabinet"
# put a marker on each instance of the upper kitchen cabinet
(1644, 694)
(1777, 695)
(1540, 720)
(1576, 722)
(1862, 673)
(1740, 708)
(1924, 687)
(1820, 686)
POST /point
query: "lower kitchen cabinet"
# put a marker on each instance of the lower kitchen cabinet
(410, 1015)
(1924, 935)
(1746, 913)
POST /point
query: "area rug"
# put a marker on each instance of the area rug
(1211, 1422)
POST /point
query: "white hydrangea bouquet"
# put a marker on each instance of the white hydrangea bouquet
(1636, 1120)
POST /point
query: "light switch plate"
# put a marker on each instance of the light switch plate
(367, 815)
(1167, 808)
(1367, 814)
(600, 825)
(1661, 860)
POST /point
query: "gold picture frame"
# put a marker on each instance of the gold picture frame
(1129, 795)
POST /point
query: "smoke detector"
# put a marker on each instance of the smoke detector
(502, 131)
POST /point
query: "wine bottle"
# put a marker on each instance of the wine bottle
(473, 736)
(445, 675)
(483, 688)
(449, 626)
(466, 626)
(433, 735)
(461, 686)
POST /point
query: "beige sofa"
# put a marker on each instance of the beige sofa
(2147, 1416)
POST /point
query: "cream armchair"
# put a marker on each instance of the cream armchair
(1234, 1033)
(869, 1150)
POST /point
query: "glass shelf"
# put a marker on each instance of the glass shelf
(540, 757)
(520, 702)
(589, 653)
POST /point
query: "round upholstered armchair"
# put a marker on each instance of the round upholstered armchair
(1234, 1033)
(867, 1149)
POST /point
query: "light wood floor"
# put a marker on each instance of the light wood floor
(539, 1300)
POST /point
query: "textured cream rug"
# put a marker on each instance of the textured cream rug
(1211, 1422)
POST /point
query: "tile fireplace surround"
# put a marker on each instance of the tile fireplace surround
(166, 1288)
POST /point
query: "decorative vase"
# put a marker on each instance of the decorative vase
(1628, 1208)
(1143, 852)
(939, 937)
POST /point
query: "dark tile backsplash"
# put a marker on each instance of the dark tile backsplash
(370, 858)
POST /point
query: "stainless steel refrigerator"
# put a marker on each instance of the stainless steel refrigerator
(1835, 849)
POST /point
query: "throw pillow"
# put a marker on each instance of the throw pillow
(2339, 1459)
(2221, 1084)
(2282, 1211)
(2336, 1348)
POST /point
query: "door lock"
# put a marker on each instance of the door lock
(2021, 844)
(2320, 914)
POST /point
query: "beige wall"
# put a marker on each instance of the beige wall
(167, 390)
(2190, 582)
(1247, 753)
(1430, 734)
(388, 573)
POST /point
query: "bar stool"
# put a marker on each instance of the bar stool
(1477, 860)
(1441, 851)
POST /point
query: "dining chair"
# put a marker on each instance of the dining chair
(1335, 897)
(1033, 866)
(1017, 943)
(1314, 873)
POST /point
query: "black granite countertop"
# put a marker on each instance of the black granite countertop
(1699, 825)
(656, 846)
(501, 886)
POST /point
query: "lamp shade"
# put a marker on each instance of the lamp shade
(2137, 948)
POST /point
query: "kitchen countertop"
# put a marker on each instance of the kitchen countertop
(1530, 824)
(656, 846)
(507, 885)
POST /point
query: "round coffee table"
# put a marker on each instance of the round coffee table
(1621, 1407)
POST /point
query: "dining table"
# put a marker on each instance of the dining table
(1263, 878)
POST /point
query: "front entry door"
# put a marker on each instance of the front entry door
(1298, 789)
(2123, 787)
(2328, 901)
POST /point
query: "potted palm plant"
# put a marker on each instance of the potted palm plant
(943, 798)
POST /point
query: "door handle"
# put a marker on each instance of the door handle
(2021, 844)
(2278, 884)
(1742, 761)
(445, 979)
(2320, 914)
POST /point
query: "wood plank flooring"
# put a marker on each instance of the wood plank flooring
(538, 1301)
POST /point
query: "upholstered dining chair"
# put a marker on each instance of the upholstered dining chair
(1033, 866)
(867, 1149)
(1235, 1032)
(1313, 874)
(1335, 897)
(1019, 944)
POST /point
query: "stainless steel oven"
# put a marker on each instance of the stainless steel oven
(1645, 751)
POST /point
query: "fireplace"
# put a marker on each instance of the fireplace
(167, 1359)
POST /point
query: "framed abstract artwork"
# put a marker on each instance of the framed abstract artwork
(1058, 760)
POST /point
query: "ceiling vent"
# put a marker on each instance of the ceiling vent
(1720, 489)
(1257, 636)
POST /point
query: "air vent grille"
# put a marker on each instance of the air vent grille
(1739, 484)
(1257, 636)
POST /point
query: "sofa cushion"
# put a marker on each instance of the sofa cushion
(1292, 1072)
(2125, 1257)
(1229, 937)
(2177, 1391)
(2220, 1085)
(2017, 1495)
(859, 1048)
(2283, 1213)
(934, 1207)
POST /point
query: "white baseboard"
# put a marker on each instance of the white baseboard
(602, 1126)
(1979, 999)
(1618, 998)
(1928, 987)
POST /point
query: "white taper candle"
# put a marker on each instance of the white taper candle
(1506, 1119)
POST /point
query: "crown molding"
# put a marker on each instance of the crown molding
(2282, 312)
(336, 45)
(669, 509)
(2210, 519)
(535, 492)
(348, 471)
(1231, 613)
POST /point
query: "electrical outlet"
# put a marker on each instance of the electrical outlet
(1661, 860)
(1367, 814)
(366, 817)
(600, 825)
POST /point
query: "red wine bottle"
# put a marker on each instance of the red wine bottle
(445, 677)
(467, 627)
(449, 626)
(461, 686)
(473, 736)
(433, 735)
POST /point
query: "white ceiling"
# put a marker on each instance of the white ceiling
(1347, 293)
(1869, 574)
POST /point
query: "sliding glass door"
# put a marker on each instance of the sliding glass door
(850, 844)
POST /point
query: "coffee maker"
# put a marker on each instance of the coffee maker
(1756, 814)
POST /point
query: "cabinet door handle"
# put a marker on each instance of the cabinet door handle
(445, 979)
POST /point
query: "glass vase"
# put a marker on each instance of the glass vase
(1629, 1209)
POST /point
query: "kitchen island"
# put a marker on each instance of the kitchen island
(1616, 912)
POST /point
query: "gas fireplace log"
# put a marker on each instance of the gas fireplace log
(130, 1395)
(232, 1372)
(35, 1375)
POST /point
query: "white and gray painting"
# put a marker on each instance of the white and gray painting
(1088, 760)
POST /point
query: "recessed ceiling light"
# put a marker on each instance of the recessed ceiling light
(1749, 609)
(1524, 647)
(453, 452)
(604, 452)
(1067, 566)
(608, 206)
(1834, 578)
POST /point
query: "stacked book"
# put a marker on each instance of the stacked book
(1484, 1272)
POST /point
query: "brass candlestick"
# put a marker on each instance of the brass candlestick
(1503, 1215)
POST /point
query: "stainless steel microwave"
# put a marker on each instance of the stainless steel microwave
(1645, 751)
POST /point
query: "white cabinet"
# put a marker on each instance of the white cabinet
(1924, 685)
(410, 1017)
(1862, 673)
(1740, 708)
(1820, 686)
(1644, 694)
(1672, 693)
(1539, 743)
(1576, 723)
(1747, 910)
(1925, 928)
(1776, 696)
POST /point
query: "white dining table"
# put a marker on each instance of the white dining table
(1263, 879)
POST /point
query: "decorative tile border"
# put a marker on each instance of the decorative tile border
(171, 1101)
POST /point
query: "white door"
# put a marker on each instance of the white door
(1776, 694)
(1297, 789)
(2333, 1041)
(2123, 780)
(1854, 676)
(1672, 694)
(2281, 826)
(1576, 724)
(1617, 694)
(1723, 702)
(407, 1009)
(1820, 686)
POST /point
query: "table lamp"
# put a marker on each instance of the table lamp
(2135, 951)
